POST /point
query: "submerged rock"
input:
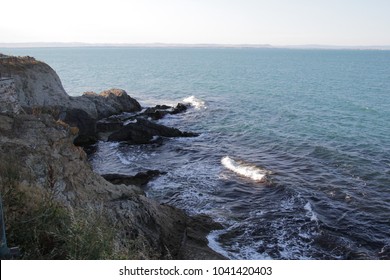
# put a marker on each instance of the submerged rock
(140, 179)
(143, 132)
(160, 111)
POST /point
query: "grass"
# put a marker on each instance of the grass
(44, 228)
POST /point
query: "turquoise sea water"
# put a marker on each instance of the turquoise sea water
(317, 122)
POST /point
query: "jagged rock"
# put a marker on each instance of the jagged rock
(107, 126)
(111, 102)
(44, 154)
(143, 131)
(160, 111)
(87, 126)
(140, 179)
(180, 108)
(155, 113)
(38, 87)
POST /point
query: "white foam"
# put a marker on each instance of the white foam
(195, 102)
(250, 171)
(310, 212)
(237, 251)
(130, 121)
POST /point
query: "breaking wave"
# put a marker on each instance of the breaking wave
(252, 172)
(195, 102)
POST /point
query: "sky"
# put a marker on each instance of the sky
(275, 22)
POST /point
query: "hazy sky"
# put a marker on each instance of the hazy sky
(277, 22)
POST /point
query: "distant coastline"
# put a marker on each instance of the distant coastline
(173, 45)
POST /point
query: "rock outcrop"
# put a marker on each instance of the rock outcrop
(37, 152)
(142, 131)
(110, 102)
(38, 87)
(45, 156)
(139, 179)
(36, 83)
(8, 96)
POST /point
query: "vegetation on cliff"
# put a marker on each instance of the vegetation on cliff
(56, 207)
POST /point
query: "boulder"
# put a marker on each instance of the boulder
(36, 83)
(111, 102)
(143, 132)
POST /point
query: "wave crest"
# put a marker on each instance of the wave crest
(250, 171)
(195, 102)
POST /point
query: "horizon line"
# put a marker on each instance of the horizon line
(189, 45)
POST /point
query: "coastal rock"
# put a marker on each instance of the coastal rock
(38, 88)
(180, 108)
(160, 111)
(39, 161)
(87, 126)
(9, 102)
(140, 179)
(44, 157)
(143, 131)
(110, 102)
(36, 83)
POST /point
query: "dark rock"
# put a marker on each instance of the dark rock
(107, 126)
(160, 111)
(143, 131)
(140, 179)
(180, 108)
(155, 113)
(86, 125)
(163, 107)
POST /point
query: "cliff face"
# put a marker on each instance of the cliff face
(36, 83)
(8, 96)
(38, 86)
(51, 192)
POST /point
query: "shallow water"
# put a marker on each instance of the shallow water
(314, 122)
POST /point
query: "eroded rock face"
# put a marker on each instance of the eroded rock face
(43, 151)
(8, 96)
(38, 86)
(110, 102)
(36, 83)
(86, 125)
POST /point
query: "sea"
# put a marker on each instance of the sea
(293, 157)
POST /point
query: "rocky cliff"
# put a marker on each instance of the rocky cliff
(38, 87)
(57, 207)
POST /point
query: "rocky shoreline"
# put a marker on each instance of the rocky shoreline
(44, 134)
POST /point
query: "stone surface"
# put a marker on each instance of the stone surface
(110, 102)
(87, 133)
(143, 132)
(36, 83)
(8, 96)
(41, 148)
(44, 153)
(140, 179)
